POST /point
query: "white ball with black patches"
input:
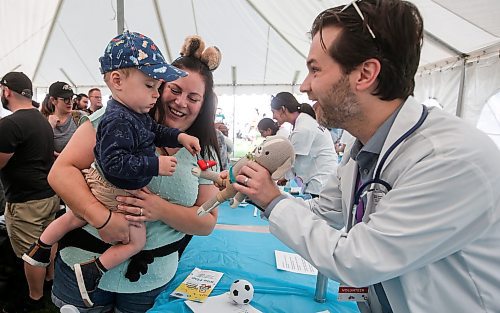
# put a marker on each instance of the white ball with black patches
(241, 291)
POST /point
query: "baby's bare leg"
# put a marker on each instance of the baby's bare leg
(60, 227)
(119, 253)
(88, 274)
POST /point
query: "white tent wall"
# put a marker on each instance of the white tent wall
(443, 86)
(482, 81)
(264, 42)
(489, 120)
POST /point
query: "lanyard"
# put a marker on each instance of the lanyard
(361, 191)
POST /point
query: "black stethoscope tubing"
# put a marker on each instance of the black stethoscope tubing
(376, 179)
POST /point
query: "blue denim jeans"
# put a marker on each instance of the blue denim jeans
(65, 291)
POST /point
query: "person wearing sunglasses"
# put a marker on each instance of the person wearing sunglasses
(412, 217)
(63, 119)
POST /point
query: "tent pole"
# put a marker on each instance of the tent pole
(460, 100)
(194, 18)
(443, 44)
(162, 30)
(294, 80)
(233, 77)
(234, 121)
(462, 56)
(46, 43)
(67, 77)
(275, 29)
(120, 17)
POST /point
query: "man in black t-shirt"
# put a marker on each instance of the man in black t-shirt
(26, 156)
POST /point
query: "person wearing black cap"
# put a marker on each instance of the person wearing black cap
(26, 156)
(64, 120)
(21, 84)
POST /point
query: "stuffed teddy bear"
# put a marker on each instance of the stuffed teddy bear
(275, 153)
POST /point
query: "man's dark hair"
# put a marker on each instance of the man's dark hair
(77, 100)
(398, 30)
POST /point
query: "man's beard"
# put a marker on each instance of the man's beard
(5, 103)
(340, 106)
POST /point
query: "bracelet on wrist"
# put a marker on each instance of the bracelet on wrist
(106, 222)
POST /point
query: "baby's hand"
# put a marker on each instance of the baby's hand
(221, 180)
(192, 144)
(166, 165)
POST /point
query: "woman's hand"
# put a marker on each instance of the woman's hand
(116, 230)
(67, 180)
(141, 206)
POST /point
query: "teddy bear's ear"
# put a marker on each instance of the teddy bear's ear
(211, 57)
(193, 46)
(280, 171)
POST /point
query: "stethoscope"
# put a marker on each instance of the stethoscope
(360, 192)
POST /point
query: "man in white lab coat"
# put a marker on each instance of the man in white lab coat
(414, 210)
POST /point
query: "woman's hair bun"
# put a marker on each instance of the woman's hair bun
(194, 46)
(211, 57)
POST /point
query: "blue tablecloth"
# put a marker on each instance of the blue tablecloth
(242, 215)
(250, 256)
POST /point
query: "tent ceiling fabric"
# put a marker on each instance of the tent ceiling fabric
(265, 55)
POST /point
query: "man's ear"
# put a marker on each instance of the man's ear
(367, 74)
(116, 80)
(6, 92)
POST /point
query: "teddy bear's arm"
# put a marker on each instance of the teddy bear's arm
(221, 196)
(238, 198)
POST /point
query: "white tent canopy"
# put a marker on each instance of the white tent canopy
(264, 42)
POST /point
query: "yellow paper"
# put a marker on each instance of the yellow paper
(198, 285)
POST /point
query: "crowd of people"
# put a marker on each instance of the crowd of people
(398, 203)
(173, 111)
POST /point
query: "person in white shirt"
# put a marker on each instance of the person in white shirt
(268, 127)
(284, 130)
(315, 158)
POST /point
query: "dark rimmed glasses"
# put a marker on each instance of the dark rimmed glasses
(65, 100)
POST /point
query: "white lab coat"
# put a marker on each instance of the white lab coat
(433, 240)
(315, 157)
